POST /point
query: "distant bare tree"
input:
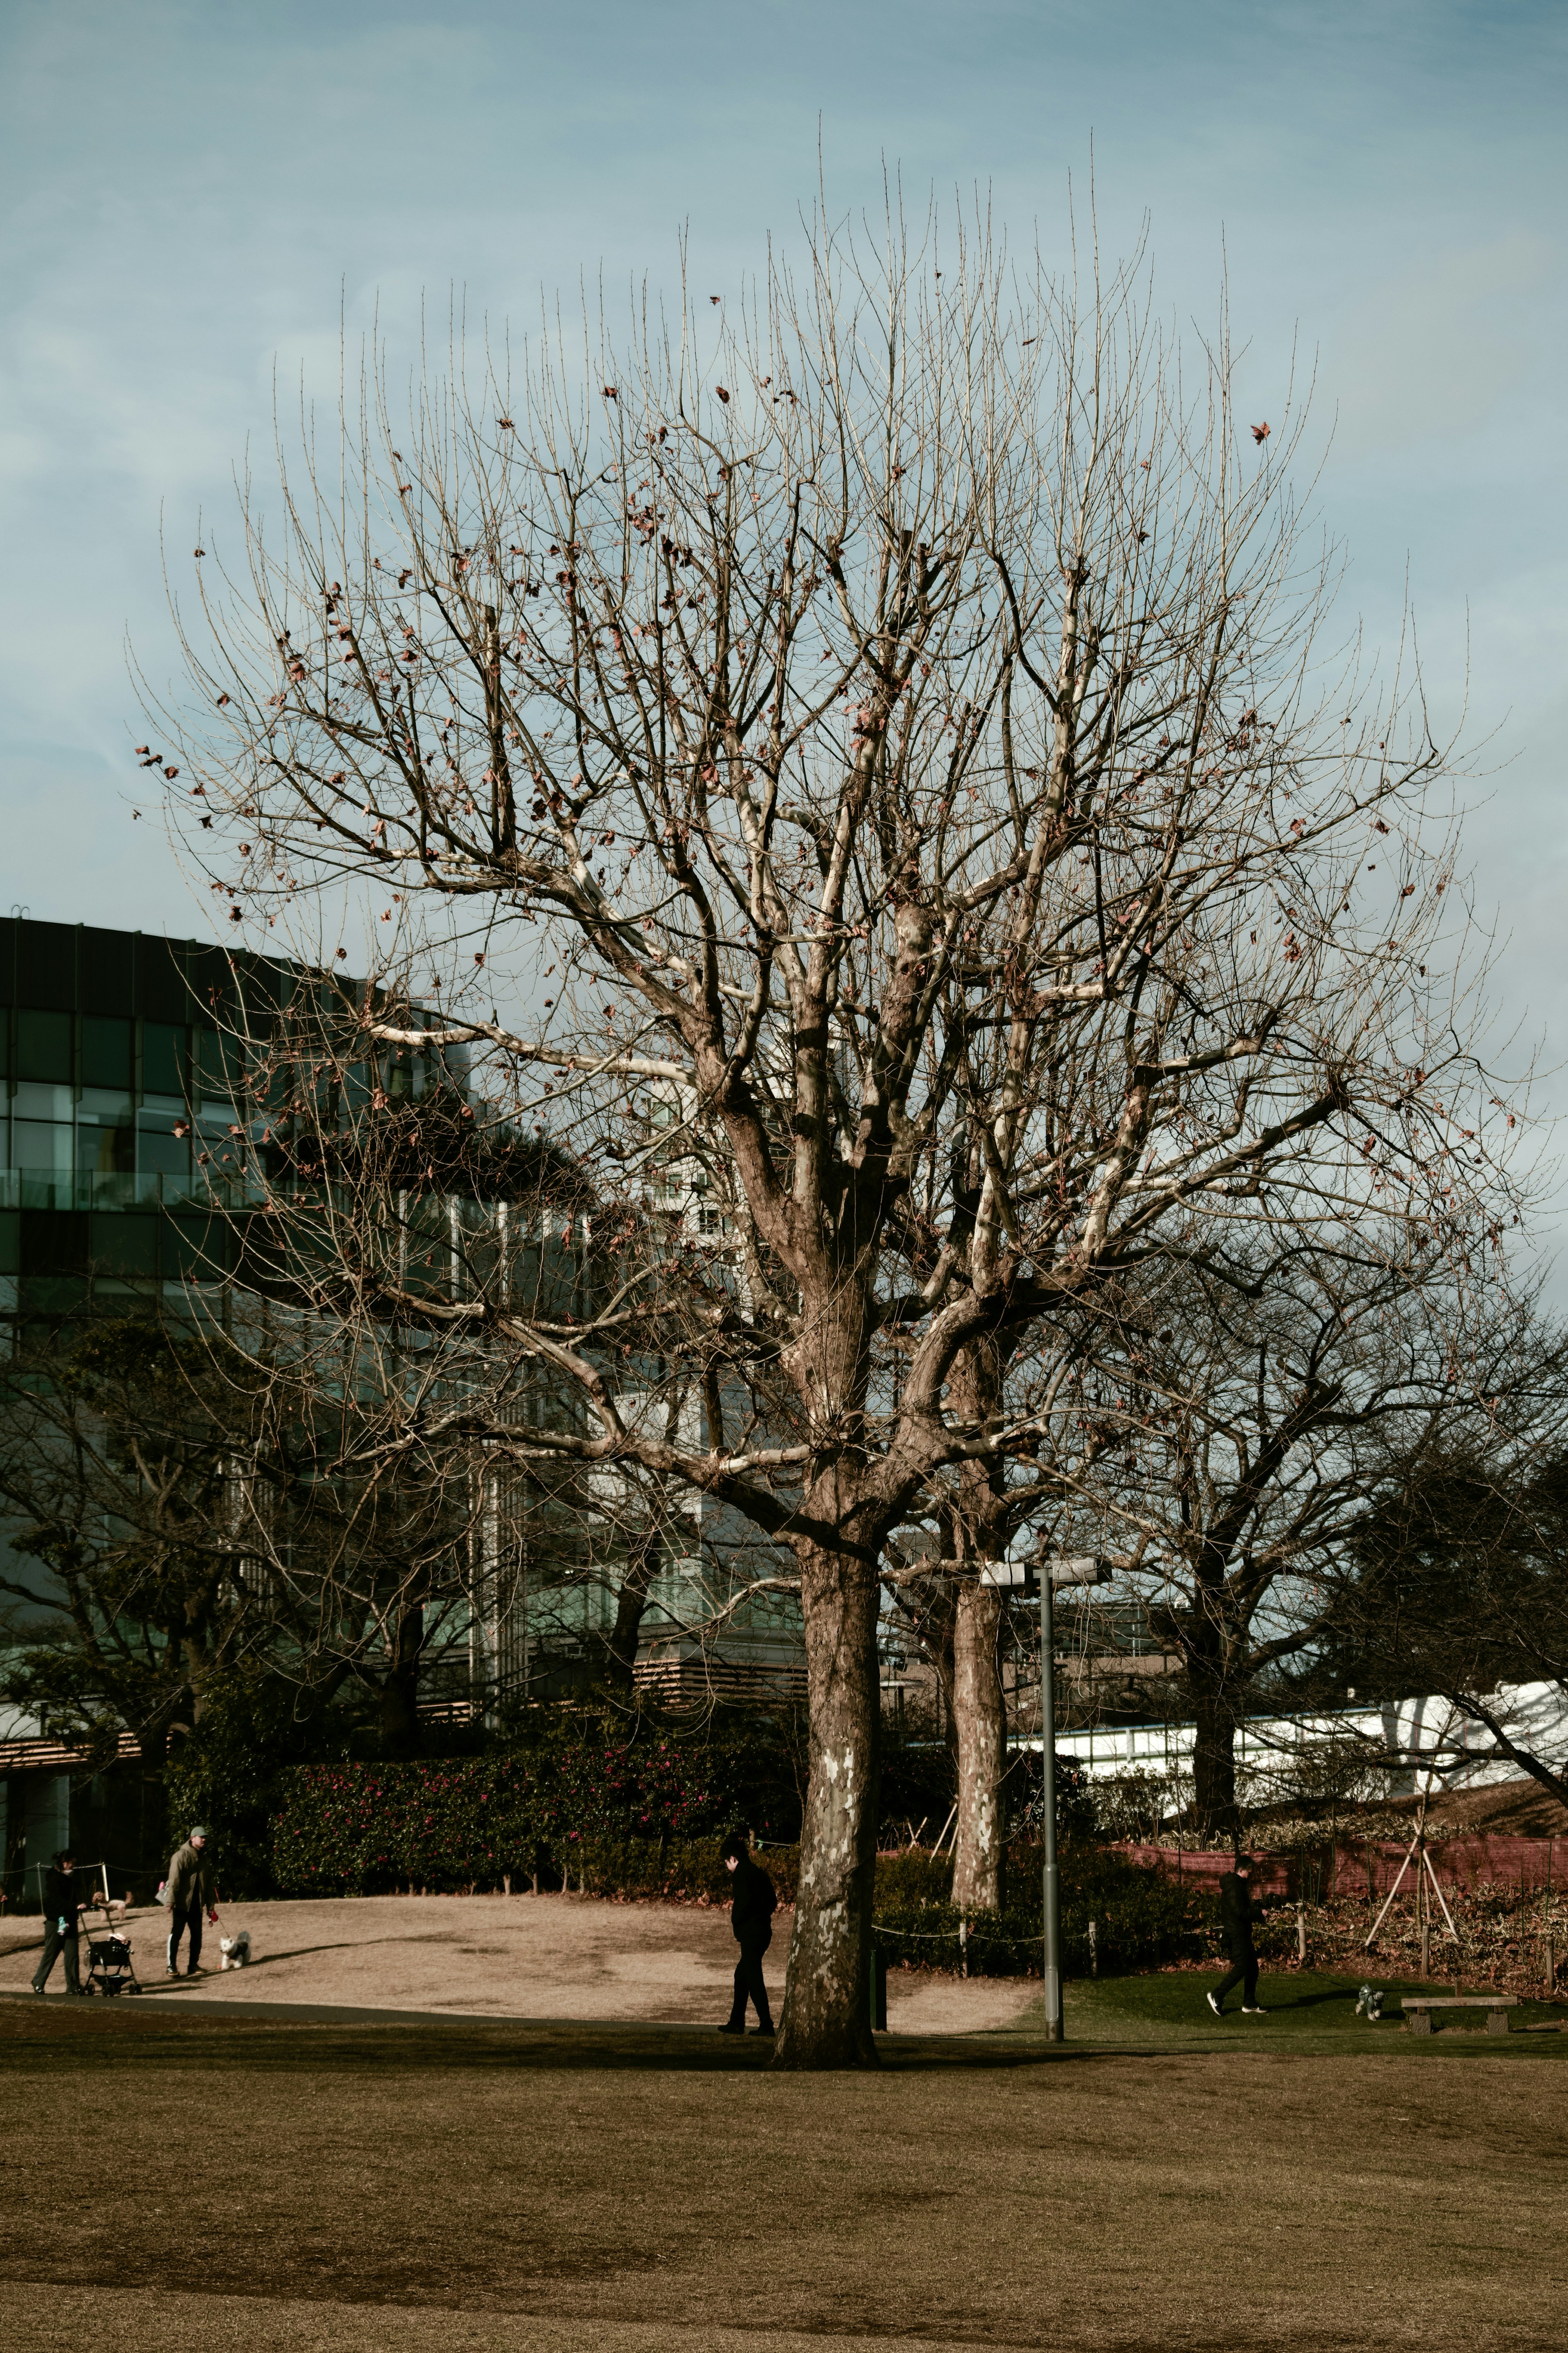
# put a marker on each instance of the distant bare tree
(1251, 1433)
(1458, 1586)
(196, 1508)
(886, 722)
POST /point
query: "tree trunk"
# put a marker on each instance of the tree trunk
(980, 1718)
(825, 2021)
(1214, 1758)
(400, 1689)
(621, 1646)
(980, 1532)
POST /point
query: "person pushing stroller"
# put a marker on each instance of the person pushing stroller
(62, 1912)
(189, 1889)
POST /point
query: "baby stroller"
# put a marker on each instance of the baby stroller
(111, 1968)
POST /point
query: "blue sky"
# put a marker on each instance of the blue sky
(194, 193)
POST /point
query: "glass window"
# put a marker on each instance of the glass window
(44, 1047)
(125, 1246)
(41, 1144)
(217, 1060)
(104, 1106)
(105, 1052)
(194, 1249)
(107, 1151)
(33, 1101)
(160, 1152)
(162, 1059)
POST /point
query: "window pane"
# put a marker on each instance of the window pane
(125, 1246)
(110, 1151)
(41, 1144)
(44, 1047)
(217, 1058)
(194, 1248)
(163, 1054)
(105, 1052)
(32, 1101)
(156, 1149)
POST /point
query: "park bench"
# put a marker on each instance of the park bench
(1418, 2010)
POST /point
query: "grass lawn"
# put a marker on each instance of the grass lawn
(1156, 2182)
(1305, 2013)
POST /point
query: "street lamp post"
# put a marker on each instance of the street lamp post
(1077, 1570)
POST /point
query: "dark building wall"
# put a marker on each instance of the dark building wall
(115, 1080)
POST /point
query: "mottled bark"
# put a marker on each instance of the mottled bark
(980, 1532)
(980, 1718)
(824, 2021)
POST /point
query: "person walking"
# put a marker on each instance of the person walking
(62, 1910)
(189, 1891)
(752, 1918)
(1239, 1908)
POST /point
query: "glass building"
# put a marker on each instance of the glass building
(114, 1090)
(127, 1148)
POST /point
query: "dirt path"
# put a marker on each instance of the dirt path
(519, 1957)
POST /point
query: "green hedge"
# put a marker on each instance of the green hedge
(574, 1804)
(1141, 1916)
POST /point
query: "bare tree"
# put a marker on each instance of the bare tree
(1455, 1588)
(190, 1502)
(1248, 1444)
(887, 718)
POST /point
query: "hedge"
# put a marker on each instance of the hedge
(1141, 1916)
(648, 1821)
(574, 1807)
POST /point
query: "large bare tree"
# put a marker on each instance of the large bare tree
(886, 717)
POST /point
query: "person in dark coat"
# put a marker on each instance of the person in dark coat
(1239, 1908)
(62, 1909)
(188, 1891)
(752, 1918)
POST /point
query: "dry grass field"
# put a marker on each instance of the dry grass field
(252, 2178)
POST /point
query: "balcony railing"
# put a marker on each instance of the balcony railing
(46, 1189)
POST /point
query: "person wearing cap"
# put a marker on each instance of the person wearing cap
(1239, 1908)
(752, 1918)
(189, 1891)
(62, 1909)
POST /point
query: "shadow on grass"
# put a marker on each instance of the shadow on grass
(234, 2037)
(145, 2034)
(1316, 2000)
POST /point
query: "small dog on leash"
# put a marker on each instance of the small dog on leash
(1369, 2002)
(235, 1949)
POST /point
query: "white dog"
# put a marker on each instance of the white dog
(235, 1949)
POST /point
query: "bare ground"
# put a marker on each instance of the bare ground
(541, 1957)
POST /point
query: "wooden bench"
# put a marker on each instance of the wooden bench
(1418, 2011)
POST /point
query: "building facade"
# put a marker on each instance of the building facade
(132, 1148)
